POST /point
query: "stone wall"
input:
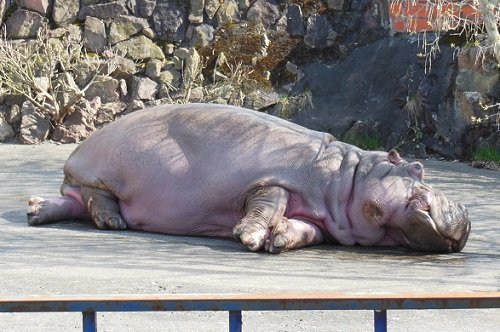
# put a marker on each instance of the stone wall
(181, 50)
(260, 54)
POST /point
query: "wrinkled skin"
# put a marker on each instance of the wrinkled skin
(212, 170)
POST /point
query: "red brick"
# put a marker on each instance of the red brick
(419, 25)
(398, 25)
(469, 12)
(418, 13)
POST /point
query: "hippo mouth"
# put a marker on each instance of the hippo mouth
(439, 225)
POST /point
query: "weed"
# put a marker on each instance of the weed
(413, 108)
(365, 141)
(41, 71)
(487, 153)
(258, 53)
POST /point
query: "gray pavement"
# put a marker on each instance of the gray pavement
(74, 258)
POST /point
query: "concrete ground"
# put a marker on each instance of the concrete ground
(74, 258)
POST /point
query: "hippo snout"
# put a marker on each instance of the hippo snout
(435, 224)
(451, 220)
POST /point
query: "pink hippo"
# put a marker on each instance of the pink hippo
(223, 171)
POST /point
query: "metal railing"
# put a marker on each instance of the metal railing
(236, 303)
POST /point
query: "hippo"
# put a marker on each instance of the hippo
(224, 171)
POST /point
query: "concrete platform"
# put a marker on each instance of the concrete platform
(75, 258)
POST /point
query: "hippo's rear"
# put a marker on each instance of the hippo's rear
(214, 170)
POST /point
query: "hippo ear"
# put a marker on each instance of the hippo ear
(395, 158)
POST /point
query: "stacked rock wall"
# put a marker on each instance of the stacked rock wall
(173, 48)
(285, 57)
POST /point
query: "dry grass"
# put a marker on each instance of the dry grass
(42, 71)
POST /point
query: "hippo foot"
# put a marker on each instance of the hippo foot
(36, 211)
(251, 233)
(291, 234)
(44, 211)
(280, 239)
(286, 234)
(109, 220)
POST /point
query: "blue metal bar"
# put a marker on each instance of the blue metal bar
(236, 303)
(89, 321)
(235, 324)
(251, 302)
(380, 320)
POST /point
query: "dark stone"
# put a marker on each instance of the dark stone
(366, 21)
(65, 12)
(359, 5)
(202, 35)
(141, 8)
(143, 88)
(104, 10)
(336, 4)
(35, 125)
(24, 24)
(6, 130)
(95, 34)
(170, 20)
(145, 8)
(263, 12)
(372, 85)
(39, 6)
(295, 21)
(108, 112)
(106, 88)
(125, 68)
(78, 125)
(317, 31)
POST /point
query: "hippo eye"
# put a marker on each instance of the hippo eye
(417, 171)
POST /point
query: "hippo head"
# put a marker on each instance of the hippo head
(392, 193)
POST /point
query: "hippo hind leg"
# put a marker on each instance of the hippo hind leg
(44, 211)
(103, 207)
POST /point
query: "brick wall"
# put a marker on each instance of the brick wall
(417, 15)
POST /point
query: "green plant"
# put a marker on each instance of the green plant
(283, 107)
(365, 141)
(487, 153)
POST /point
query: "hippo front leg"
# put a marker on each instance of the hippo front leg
(103, 207)
(293, 234)
(264, 208)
